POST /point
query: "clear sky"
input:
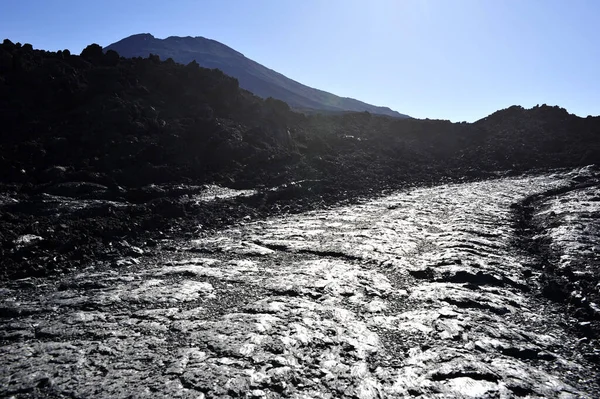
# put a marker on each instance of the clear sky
(441, 59)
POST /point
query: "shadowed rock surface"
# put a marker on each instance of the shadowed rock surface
(421, 293)
(560, 229)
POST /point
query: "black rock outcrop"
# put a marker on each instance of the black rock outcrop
(140, 121)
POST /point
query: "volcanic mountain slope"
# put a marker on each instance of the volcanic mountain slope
(262, 81)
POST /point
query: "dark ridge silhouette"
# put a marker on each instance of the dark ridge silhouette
(262, 81)
(140, 121)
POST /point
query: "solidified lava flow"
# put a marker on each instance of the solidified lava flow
(422, 293)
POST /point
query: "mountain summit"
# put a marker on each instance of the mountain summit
(252, 76)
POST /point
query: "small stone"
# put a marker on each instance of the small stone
(135, 251)
(125, 262)
(27, 240)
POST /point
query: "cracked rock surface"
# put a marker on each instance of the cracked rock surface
(418, 294)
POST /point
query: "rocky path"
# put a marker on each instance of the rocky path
(419, 294)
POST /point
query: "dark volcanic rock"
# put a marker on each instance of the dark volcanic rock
(77, 189)
(561, 229)
(141, 121)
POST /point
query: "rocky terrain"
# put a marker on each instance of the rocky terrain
(421, 293)
(97, 149)
(165, 233)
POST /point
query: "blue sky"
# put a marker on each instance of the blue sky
(459, 60)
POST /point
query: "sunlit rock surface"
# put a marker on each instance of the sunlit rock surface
(567, 224)
(419, 294)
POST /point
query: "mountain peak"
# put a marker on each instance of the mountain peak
(141, 36)
(252, 76)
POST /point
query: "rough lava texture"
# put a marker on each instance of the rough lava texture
(421, 293)
(560, 228)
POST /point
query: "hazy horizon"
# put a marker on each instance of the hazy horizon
(429, 59)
